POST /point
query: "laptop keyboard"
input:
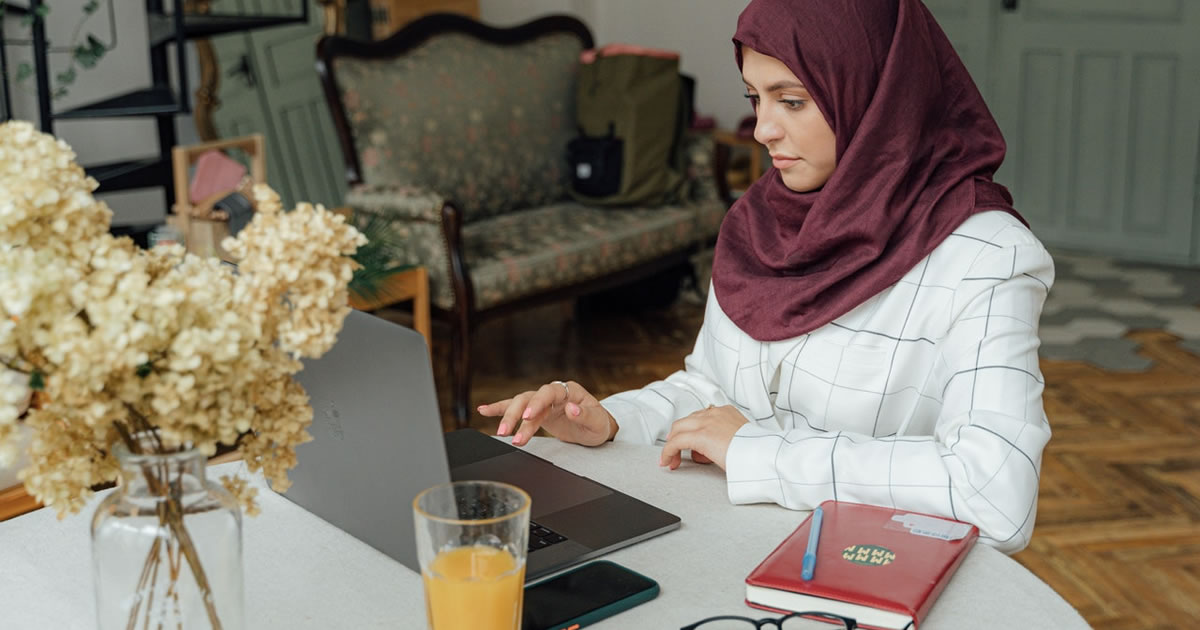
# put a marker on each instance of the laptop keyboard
(541, 537)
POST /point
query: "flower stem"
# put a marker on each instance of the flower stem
(170, 513)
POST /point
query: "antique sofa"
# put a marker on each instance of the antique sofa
(456, 133)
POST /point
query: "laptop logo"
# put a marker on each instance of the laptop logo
(333, 419)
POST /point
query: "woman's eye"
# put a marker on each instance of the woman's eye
(753, 98)
(792, 103)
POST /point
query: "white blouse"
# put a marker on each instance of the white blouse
(926, 397)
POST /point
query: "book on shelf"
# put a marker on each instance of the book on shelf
(881, 566)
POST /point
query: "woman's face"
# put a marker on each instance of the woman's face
(794, 131)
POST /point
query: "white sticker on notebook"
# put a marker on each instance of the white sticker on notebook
(922, 525)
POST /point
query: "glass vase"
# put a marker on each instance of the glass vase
(167, 546)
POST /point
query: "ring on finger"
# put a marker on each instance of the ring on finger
(565, 388)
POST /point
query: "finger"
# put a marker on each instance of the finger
(546, 397)
(670, 454)
(494, 409)
(536, 411)
(513, 413)
(526, 431)
(700, 458)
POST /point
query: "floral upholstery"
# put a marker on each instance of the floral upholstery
(485, 125)
(534, 251)
(539, 249)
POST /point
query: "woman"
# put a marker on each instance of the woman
(871, 333)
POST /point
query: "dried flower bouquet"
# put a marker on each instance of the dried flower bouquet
(102, 342)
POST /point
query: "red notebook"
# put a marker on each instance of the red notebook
(880, 566)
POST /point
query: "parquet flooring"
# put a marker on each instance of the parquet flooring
(1118, 531)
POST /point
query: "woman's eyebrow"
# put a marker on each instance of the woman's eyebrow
(778, 85)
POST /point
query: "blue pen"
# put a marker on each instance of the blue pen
(814, 536)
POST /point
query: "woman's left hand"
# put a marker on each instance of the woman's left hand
(707, 433)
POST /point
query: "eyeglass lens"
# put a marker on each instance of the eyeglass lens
(790, 623)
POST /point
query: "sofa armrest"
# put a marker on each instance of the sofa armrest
(700, 181)
(412, 233)
(405, 204)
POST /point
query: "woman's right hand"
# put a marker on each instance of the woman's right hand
(565, 409)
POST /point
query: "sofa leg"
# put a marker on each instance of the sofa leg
(461, 360)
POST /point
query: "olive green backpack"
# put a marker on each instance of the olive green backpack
(631, 110)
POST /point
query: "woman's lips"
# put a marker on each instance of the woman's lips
(781, 162)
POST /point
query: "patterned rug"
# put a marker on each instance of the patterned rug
(1095, 302)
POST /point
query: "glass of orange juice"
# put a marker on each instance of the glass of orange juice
(471, 542)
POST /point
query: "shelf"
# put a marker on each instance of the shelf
(153, 100)
(139, 232)
(130, 174)
(162, 27)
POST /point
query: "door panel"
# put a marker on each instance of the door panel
(1099, 103)
(282, 100)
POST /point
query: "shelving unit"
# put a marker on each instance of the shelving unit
(162, 99)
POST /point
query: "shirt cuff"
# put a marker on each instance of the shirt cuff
(750, 472)
(631, 426)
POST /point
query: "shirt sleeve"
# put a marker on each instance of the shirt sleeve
(645, 415)
(982, 462)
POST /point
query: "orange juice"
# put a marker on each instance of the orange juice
(474, 588)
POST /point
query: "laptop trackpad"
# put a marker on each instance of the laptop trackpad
(551, 488)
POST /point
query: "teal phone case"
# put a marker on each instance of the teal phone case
(605, 612)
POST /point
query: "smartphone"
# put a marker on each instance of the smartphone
(584, 595)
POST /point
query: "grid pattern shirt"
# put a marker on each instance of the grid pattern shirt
(926, 397)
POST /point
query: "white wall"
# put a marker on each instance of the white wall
(700, 30)
(123, 69)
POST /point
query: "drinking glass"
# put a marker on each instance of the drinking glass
(471, 542)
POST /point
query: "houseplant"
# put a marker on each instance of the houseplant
(105, 347)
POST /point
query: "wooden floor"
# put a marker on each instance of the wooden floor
(1118, 531)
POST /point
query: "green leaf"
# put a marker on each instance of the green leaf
(89, 53)
(37, 381)
(144, 370)
(42, 11)
(377, 256)
(24, 71)
(66, 77)
(60, 92)
(91, 7)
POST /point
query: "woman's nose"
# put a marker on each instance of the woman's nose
(766, 130)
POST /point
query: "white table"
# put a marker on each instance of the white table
(302, 572)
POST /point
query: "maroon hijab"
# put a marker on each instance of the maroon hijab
(916, 150)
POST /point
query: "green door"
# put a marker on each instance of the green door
(1100, 103)
(269, 84)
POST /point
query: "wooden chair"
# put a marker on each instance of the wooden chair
(194, 220)
(15, 501)
(409, 284)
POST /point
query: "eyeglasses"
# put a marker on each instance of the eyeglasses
(796, 621)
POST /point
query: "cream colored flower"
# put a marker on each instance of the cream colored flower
(114, 335)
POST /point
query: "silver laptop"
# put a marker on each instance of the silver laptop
(378, 441)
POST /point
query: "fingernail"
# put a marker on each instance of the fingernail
(480, 408)
(573, 409)
(528, 412)
(503, 430)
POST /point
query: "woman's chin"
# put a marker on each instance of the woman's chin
(802, 184)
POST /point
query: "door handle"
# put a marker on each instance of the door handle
(1009, 5)
(245, 70)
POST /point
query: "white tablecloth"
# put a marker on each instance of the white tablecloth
(301, 572)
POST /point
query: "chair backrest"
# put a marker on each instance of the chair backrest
(477, 114)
